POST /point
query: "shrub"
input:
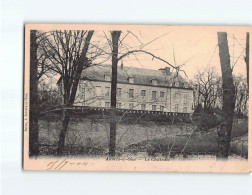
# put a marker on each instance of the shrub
(205, 121)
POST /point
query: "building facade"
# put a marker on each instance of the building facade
(137, 89)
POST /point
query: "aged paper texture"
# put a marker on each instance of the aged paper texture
(136, 98)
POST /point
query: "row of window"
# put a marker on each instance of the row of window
(143, 107)
(153, 81)
(143, 94)
(130, 79)
(131, 93)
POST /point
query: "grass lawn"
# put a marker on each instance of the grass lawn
(197, 143)
(154, 135)
(89, 134)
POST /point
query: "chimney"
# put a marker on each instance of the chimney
(166, 70)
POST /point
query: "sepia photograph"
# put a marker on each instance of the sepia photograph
(125, 97)
(136, 98)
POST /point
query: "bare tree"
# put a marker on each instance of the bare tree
(67, 53)
(38, 68)
(33, 132)
(115, 35)
(224, 133)
(247, 57)
(207, 81)
(49, 96)
(115, 43)
(241, 94)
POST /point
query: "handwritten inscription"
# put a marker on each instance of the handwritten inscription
(59, 164)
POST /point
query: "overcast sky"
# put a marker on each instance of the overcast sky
(196, 44)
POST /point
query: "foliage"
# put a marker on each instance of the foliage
(48, 96)
(205, 120)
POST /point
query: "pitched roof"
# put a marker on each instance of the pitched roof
(141, 76)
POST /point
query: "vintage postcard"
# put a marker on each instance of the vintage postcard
(137, 98)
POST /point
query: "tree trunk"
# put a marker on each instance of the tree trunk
(224, 133)
(247, 57)
(112, 142)
(69, 98)
(61, 143)
(240, 103)
(33, 133)
(198, 94)
(83, 63)
(245, 103)
(205, 105)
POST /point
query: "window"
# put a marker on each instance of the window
(176, 108)
(131, 105)
(98, 90)
(119, 92)
(185, 109)
(154, 95)
(162, 108)
(131, 80)
(162, 95)
(143, 93)
(119, 105)
(176, 97)
(107, 78)
(154, 107)
(82, 96)
(143, 106)
(185, 98)
(154, 82)
(107, 91)
(131, 93)
(107, 104)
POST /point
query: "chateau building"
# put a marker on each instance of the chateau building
(137, 89)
